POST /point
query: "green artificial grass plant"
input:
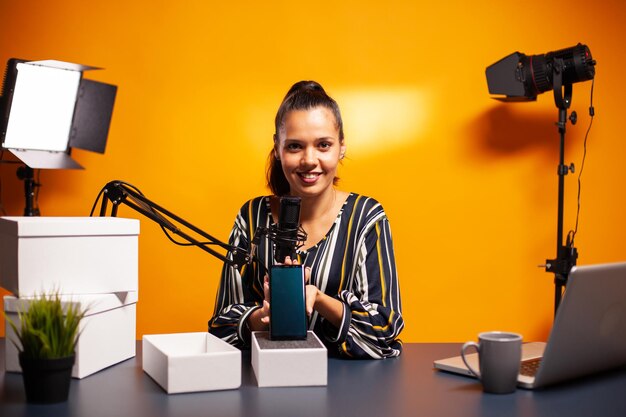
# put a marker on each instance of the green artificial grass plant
(47, 331)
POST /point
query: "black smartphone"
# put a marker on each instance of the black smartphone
(288, 319)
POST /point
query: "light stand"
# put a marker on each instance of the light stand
(567, 254)
(26, 174)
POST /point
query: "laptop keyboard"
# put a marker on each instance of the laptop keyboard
(529, 367)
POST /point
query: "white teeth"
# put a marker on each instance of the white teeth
(309, 176)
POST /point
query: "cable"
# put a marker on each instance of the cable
(95, 203)
(571, 235)
(37, 185)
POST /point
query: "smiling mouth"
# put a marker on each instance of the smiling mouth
(309, 176)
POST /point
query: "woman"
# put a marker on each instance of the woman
(352, 295)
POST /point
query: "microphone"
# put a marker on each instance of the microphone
(287, 236)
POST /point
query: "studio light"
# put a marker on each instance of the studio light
(520, 77)
(46, 109)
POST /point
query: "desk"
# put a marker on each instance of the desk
(405, 386)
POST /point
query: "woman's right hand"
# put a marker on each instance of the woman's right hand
(259, 320)
(265, 310)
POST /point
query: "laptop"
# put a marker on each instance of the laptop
(588, 334)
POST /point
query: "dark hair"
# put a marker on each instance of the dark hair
(303, 95)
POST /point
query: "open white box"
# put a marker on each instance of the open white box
(107, 332)
(68, 255)
(191, 362)
(289, 363)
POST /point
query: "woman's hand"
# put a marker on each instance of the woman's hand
(259, 320)
(310, 291)
(265, 309)
(315, 300)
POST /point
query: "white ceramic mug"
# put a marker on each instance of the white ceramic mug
(499, 356)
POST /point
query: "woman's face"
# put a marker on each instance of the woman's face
(309, 150)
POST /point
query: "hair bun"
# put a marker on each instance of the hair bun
(306, 85)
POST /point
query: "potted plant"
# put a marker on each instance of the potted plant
(47, 335)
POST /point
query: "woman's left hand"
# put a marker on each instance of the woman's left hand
(328, 307)
(310, 290)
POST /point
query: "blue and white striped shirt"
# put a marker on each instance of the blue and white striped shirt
(353, 263)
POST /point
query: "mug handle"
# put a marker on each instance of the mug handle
(465, 346)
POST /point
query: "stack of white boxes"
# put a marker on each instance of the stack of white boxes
(89, 261)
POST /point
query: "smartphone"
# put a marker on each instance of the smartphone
(288, 319)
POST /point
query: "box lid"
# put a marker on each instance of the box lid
(67, 226)
(93, 303)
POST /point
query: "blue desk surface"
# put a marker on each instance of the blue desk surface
(406, 386)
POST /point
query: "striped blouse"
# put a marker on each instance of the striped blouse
(353, 263)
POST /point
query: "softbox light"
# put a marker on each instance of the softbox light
(47, 108)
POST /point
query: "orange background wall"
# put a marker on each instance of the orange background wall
(469, 184)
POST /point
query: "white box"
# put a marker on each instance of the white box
(69, 255)
(191, 362)
(107, 332)
(289, 363)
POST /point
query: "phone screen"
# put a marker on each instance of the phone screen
(288, 320)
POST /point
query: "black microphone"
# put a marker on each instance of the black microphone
(287, 237)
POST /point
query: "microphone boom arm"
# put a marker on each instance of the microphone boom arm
(118, 193)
